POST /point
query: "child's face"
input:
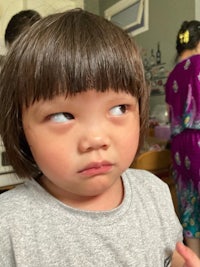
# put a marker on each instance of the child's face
(83, 143)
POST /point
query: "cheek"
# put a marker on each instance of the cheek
(51, 159)
(42, 147)
(129, 145)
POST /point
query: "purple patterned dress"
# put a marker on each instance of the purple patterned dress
(183, 98)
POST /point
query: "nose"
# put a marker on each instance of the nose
(92, 141)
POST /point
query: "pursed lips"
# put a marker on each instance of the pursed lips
(95, 168)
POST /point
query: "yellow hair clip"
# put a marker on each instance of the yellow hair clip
(184, 37)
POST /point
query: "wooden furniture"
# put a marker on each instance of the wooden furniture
(159, 163)
(154, 161)
(9, 180)
(6, 188)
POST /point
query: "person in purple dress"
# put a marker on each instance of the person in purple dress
(183, 99)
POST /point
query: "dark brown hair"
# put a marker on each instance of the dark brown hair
(193, 29)
(19, 23)
(66, 53)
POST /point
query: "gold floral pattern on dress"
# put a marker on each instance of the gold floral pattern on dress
(187, 163)
(198, 143)
(198, 76)
(175, 86)
(187, 119)
(187, 64)
(177, 159)
(189, 200)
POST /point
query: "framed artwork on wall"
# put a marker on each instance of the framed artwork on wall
(131, 15)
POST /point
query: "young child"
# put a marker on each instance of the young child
(73, 109)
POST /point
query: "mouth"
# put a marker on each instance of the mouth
(96, 168)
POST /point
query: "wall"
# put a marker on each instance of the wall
(104, 4)
(165, 18)
(92, 6)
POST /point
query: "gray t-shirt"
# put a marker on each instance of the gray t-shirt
(37, 230)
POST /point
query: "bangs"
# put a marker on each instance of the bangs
(65, 53)
(68, 56)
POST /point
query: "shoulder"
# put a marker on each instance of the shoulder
(146, 183)
(182, 74)
(143, 177)
(154, 204)
(185, 65)
(189, 65)
(194, 64)
(195, 59)
(18, 201)
(12, 199)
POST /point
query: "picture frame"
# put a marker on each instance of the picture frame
(130, 15)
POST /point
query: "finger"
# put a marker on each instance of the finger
(191, 259)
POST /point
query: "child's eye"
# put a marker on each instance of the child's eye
(118, 110)
(61, 117)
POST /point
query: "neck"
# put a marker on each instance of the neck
(186, 54)
(106, 201)
(190, 52)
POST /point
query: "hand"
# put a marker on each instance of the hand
(191, 259)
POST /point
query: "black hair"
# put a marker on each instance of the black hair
(18, 23)
(191, 31)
